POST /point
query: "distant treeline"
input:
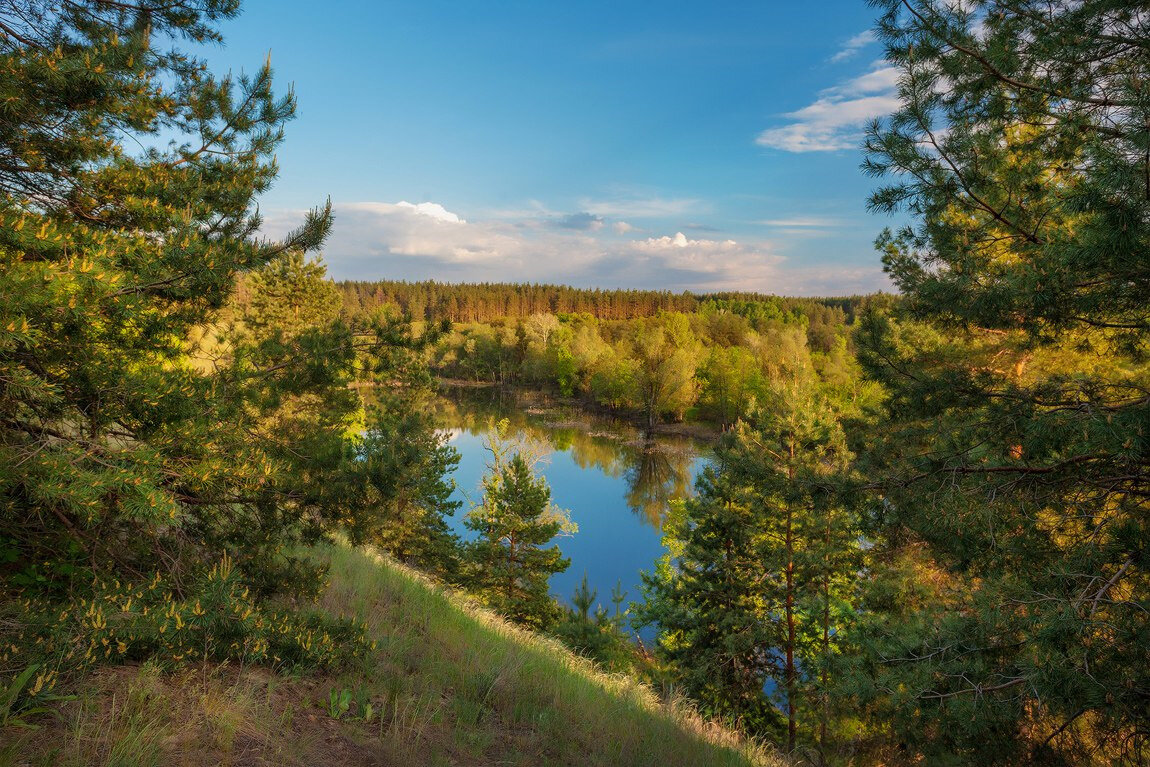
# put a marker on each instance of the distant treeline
(487, 301)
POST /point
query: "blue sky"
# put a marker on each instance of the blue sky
(611, 144)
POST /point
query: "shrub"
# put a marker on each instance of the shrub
(216, 619)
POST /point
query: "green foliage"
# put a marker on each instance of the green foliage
(338, 702)
(402, 472)
(1013, 464)
(598, 635)
(287, 297)
(173, 388)
(364, 708)
(28, 694)
(508, 565)
(661, 365)
(710, 615)
(111, 450)
(757, 586)
(732, 379)
(490, 302)
(215, 618)
(667, 354)
(793, 457)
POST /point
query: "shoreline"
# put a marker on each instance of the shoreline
(699, 430)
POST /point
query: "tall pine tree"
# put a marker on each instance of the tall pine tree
(757, 585)
(1015, 464)
(132, 444)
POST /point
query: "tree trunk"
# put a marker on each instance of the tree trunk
(826, 633)
(790, 669)
(790, 602)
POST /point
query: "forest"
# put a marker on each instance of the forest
(710, 360)
(484, 302)
(923, 536)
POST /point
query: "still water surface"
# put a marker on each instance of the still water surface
(615, 482)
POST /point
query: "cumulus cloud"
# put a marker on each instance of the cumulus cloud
(429, 209)
(710, 264)
(680, 241)
(853, 46)
(426, 230)
(835, 120)
(622, 227)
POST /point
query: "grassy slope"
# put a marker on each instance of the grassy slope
(451, 684)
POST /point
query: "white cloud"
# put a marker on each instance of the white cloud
(424, 230)
(853, 46)
(377, 240)
(711, 264)
(882, 78)
(430, 209)
(680, 240)
(836, 119)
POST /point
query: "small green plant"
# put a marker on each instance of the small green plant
(363, 707)
(618, 597)
(217, 619)
(14, 709)
(338, 702)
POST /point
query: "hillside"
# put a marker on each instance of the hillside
(451, 684)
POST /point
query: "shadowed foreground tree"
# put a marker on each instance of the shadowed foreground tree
(134, 447)
(790, 456)
(705, 596)
(116, 451)
(1016, 462)
(405, 464)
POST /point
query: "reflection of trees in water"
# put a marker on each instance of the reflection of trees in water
(658, 474)
(600, 453)
(657, 471)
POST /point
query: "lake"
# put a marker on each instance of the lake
(615, 482)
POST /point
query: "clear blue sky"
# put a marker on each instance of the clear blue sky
(614, 144)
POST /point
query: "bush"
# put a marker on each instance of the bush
(218, 619)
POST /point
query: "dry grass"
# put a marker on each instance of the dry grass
(136, 716)
(451, 684)
(506, 695)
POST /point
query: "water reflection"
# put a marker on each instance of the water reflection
(657, 475)
(656, 470)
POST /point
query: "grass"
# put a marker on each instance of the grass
(140, 717)
(450, 684)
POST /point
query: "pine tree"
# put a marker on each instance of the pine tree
(706, 598)
(404, 463)
(117, 451)
(1015, 463)
(587, 632)
(288, 296)
(757, 586)
(515, 519)
(791, 455)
